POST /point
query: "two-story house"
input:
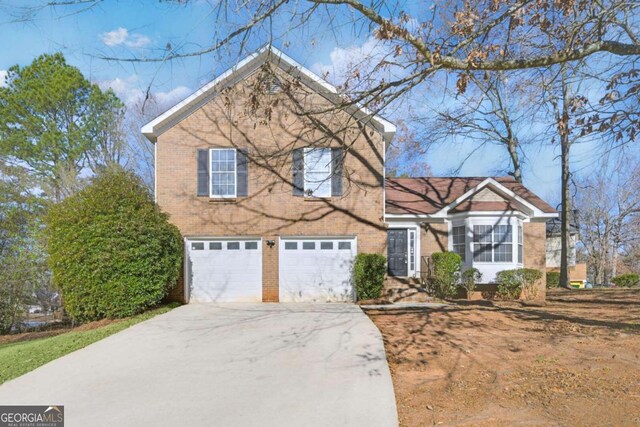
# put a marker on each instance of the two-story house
(277, 182)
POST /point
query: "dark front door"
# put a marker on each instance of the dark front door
(397, 252)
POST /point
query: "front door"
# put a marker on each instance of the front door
(397, 252)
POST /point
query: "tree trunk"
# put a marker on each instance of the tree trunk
(565, 217)
(512, 147)
(565, 146)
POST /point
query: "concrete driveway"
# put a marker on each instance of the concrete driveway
(224, 365)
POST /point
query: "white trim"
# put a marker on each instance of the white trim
(307, 237)
(155, 175)
(243, 68)
(186, 276)
(235, 174)
(534, 211)
(306, 170)
(416, 227)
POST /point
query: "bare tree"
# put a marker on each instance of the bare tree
(496, 108)
(608, 203)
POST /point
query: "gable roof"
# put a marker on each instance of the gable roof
(442, 196)
(244, 68)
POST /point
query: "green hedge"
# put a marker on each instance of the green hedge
(511, 283)
(368, 274)
(628, 280)
(553, 279)
(112, 251)
(446, 273)
(470, 278)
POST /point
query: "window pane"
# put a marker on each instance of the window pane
(503, 253)
(251, 245)
(458, 234)
(482, 233)
(317, 172)
(291, 245)
(215, 246)
(326, 245)
(502, 234)
(412, 246)
(520, 234)
(233, 246)
(482, 253)
(308, 245)
(520, 254)
(344, 245)
(197, 246)
(223, 172)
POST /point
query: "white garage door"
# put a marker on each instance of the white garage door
(316, 269)
(225, 270)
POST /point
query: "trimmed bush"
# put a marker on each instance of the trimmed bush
(553, 279)
(368, 274)
(511, 283)
(112, 251)
(470, 277)
(629, 280)
(446, 273)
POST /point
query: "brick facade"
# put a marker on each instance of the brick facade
(535, 235)
(270, 210)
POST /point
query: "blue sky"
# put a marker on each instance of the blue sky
(143, 29)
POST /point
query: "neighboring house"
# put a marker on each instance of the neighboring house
(276, 194)
(577, 272)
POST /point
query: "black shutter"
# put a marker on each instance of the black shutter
(298, 172)
(336, 167)
(242, 173)
(203, 172)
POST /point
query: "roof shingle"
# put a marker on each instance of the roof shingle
(424, 196)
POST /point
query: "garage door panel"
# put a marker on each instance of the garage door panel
(316, 274)
(225, 271)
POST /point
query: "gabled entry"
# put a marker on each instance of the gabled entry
(397, 252)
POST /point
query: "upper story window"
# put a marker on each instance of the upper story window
(458, 238)
(223, 172)
(492, 243)
(317, 172)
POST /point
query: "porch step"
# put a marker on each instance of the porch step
(407, 293)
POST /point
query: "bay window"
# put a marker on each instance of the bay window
(492, 243)
(458, 237)
(520, 244)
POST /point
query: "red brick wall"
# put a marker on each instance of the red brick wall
(271, 210)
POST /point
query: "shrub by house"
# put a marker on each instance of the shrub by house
(629, 280)
(368, 274)
(446, 273)
(520, 281)
(112, 251)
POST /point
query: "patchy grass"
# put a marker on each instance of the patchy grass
(18, 358)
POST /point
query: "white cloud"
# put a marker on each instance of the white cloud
(121, 36)
(133, 93)
(344, 61)
(3, 76)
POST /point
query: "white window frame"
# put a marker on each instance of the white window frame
(464, 241)
(493, 244)
(312, 192)
(520, 244)
(235, 174)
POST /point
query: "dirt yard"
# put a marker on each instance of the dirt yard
(574, 362)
